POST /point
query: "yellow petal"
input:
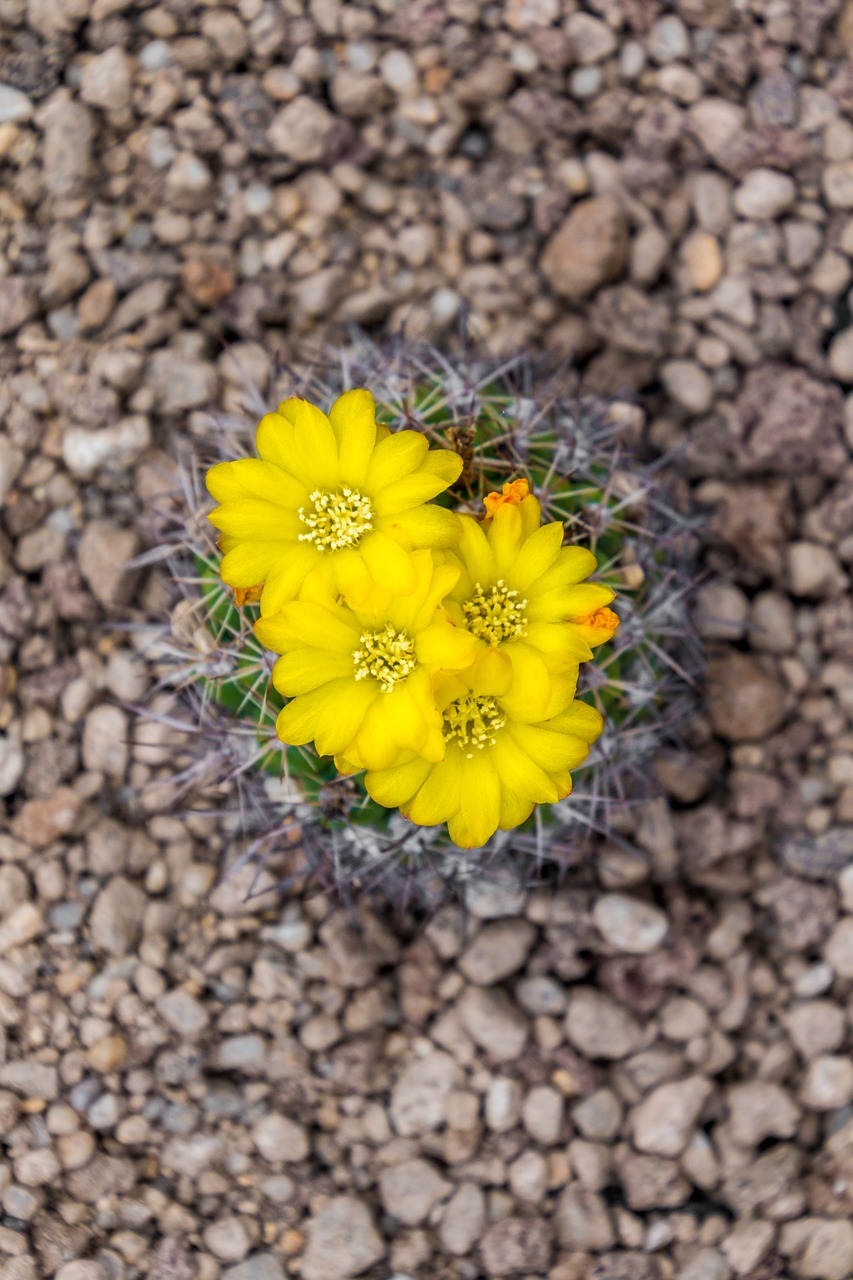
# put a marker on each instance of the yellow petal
(515, 809)
(301, 624)
(254, 478)
(316, 449)
(580, 719)
(339, 718)
(395, 457)
(521, 775)
(596, 628)
(438, 470)
(395, 787)
(390, 565)
(250, 562)
(352, 578)
(553, 752)
(274, 441)
(440, 797)
(476, 555)
(251, 519)
(558, 642)
(287, 576)
(480, 811)
(504, 534)
(536, 556)
(531, 683)
(572, 565)
(491, 672)
(568, 602)
(423, 526)
(307, 669)
(445, 646)
(353, 419)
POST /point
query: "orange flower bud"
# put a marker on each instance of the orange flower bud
(512, 494)
(597, 627)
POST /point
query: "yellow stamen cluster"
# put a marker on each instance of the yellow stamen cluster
(473, 721)
(337, 519)
(387, 656)
(497, 614)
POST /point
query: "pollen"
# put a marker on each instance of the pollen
(474, 721)
(495, 614)
(336, 519)
(387, 656)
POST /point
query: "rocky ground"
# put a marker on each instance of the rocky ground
(644, 1075)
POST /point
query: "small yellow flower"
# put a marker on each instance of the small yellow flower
(521, 594)
(337, 494)
(502, 758)
(361, 682)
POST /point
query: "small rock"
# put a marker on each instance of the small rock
(179, 383)
(105, 741)
(748, 1244)
(281, 1139)
(463, 1220)
(493, 1022)
(743, 701)
(599, 1027)
(69, 133)
(301, 131)
(703, 259)
(828, 1083)
(813, 570)
(116, 919)
(114, 448)
(106, 79)
(542, 1114)
(590, 249)
(207, 282)
(629, 924)
(688, 384)
(227, 1240)
(721, 611)
(261, 1266)
(663, 1122)
(31, 1079)
(838, 951)
(15, 107)
(419, 1097)
(829, 1252)
(107, 1054)
(503, 1104)
(19, 303)
(84, 1269)
(104, 552)
(23, 925)
(342, 1241)
(498, 950)
(516, 1246)
(36, 1168)
(760, 1109)
(183, 1013)
(838, 184)
(409, 1191)
(40, 822)
(765, 193)
(816, 1027)
(582, 1221)
(189, 186)
(788, 422)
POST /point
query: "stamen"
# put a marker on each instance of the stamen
(495, 614)
(387, 656)
(337, 519)
(474, 721)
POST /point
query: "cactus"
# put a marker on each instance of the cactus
(581, 456)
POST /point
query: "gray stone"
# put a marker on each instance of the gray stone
(106, 79)
(629, 924)
(19, 303)
(15, 107)
(463, 1220)
(180, 383)
(69, 132)
(419, 1097)
(498, 950)
(116, 920)
(301, 130)
(261, 1266)
(104, 552)
(493, 1022)
(342, 1241)
(516, 1246)
(599, 1027)
(663, 1122)
(409, 1191)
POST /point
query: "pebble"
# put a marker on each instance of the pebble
(342, 1241)
(493, 1022)
(19, 303)
(409, 1191)
(41, 822)
(184, 1013)
(419, 1097)
(104, 551)
(542, 1114)
(301, 130)
(15, 107)
(463, 1220)
(227, 1240)
(663, 1122)
(744, 702)
(765, 193)
(281, 1139)
(813, 570)
(516, 1246)
(114, 448)
(828, 1083)
(106, 80)
(69, 134)
(498, 950)
(260, 1266)
(629, 924)
(590, 249)
(688, 384)
(703, 259)
(116, 919)
(599, 1027)
(105, 741)
(760, 1109)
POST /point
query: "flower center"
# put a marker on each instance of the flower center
(495, 614)
(473, 721)
(387, 656)
(336, 520)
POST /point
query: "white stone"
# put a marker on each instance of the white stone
(765, 193)
(629, 924)
(15, 107)
(663, 1122)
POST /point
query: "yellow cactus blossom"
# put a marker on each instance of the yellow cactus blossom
(338, 494)
(502, 758)
(522, 594)
(360, 682)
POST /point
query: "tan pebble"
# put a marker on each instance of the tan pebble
(107, 1054)
(703, 260)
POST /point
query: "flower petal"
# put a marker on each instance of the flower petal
(395, 457)
(316, 449)
(476, 555)
(306, 669)
(553, 752)
(437, 470)
(254, 478)
(287, 575)
(579, 719)
(536, 556)
(559, 642)
(423, 526)
(297, 722)
(253, 520)
(515, 809)
(395, 787)
(340, 715)
(274, 442)
(568, 602)
(504, 536)
(531, 683)
(480, 811)
(301, 624)
(440, 797)
(352, 578)
(390, 565)
(353, 419)
(519, 773)
(445, 646)
(572, 565)
(248, 563)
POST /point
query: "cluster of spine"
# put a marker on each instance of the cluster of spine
(581, 456)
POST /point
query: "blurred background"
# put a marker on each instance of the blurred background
(643, 1076)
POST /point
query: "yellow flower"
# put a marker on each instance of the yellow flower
(521, 594)
(360, 682)
(336, 494)
(502, 758)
